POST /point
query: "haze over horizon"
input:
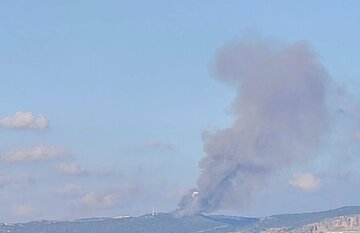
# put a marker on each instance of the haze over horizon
(115, 108)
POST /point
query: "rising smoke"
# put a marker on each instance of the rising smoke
(280, 117)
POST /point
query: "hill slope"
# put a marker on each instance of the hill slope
(346, 218)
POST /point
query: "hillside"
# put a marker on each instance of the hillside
(346, 218)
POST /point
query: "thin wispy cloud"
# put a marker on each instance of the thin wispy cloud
(36, 153)
(23, 181)
(24, 120)
(91, 201)
(73, 169)
(16, 183)
(157, 144)
(305, 181)
(70, 190)
(4, 180)
(356, 135)
(24, 210)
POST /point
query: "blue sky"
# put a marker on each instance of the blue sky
(126, 88)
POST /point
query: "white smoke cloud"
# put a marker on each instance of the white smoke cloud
(280, 118)
(305, 181)
(24, 120)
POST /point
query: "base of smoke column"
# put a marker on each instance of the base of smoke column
(189, 205)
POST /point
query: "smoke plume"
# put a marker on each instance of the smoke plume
(280, 117)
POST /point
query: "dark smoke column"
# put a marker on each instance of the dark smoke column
(281, 116)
